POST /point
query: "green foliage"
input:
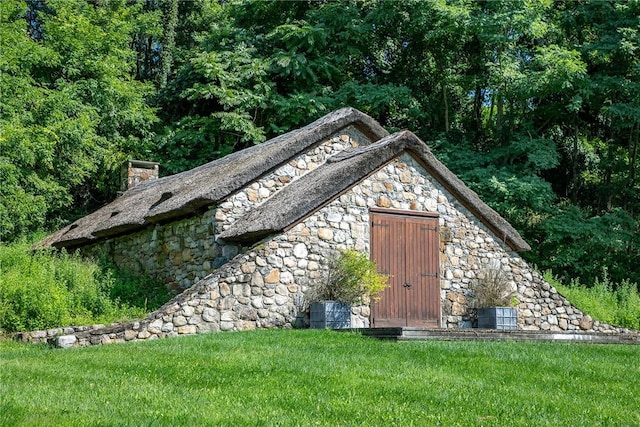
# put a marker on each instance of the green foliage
(214, 100)
(130, 290)
(45, 289)
(580, 246)
(317, 377)
(70, 109)
(606, 301)
(351, 277)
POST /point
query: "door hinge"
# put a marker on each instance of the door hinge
(379, 224)
(430, 275)
(426, 227)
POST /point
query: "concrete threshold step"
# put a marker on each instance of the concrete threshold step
(424, 334)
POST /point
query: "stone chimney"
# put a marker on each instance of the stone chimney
(133, 172)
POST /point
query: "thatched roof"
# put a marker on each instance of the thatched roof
(185, 193)
(341, 172)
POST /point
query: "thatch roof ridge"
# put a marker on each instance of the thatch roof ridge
(341, 172)
(183, 194)
(257, 161)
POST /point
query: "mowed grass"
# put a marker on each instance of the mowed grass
(310, 377)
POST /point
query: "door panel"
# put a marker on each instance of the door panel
(390, 310)
(423, 297)
(406, 248)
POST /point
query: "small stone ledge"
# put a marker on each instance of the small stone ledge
(49, 335)
(419, 334)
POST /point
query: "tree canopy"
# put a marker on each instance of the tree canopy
(534, 103)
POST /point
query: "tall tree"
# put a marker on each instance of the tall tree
(70, 108)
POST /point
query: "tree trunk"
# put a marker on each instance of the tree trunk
(147, 58)
(574, 168)
(170, 20)
(499, 113)
(493, 98)
(633, 146)
(477, 108)
(446, 108)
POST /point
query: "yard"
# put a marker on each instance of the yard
(305, 377)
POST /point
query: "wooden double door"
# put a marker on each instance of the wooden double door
(405, 246)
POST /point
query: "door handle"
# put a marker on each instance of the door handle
(407, 285)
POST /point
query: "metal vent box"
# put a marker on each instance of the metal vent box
(330, 314)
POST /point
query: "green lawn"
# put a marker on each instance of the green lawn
(304, 377)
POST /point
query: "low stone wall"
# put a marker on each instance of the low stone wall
(254, 290)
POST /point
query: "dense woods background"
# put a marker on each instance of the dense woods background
(534, 103)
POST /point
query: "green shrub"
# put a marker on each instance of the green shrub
(605, 301)
(45, 289)
(628, 313)
(351, 277)
(131, 290)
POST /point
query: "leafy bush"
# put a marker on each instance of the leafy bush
(46, 289)
(131, 290)
(351, 277)
(605, 301)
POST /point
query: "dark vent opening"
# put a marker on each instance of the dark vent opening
(165, 196)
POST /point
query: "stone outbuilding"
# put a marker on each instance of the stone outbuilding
(246, 237)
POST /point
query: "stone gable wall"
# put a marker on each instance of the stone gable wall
(256, 193)
(268, 285)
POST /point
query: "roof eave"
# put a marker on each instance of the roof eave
(113, 220)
